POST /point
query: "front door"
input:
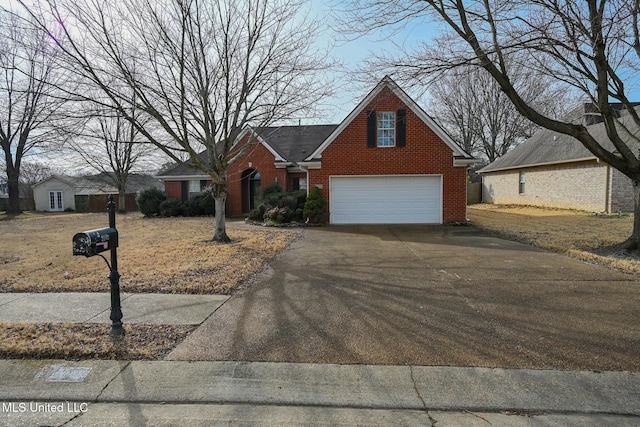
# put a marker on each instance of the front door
(55, 201)
(250, 190)
(254, 191)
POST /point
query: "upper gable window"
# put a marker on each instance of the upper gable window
(387, 129)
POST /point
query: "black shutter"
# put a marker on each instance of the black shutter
(184, 190)
(372, 129)
(401, 128)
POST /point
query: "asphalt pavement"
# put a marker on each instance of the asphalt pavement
(334, 332)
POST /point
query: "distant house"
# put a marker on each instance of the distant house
(26, 202)
(388, 161)
(85, 194)
(555, 170)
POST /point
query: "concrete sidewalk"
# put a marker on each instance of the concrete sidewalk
(252, 393)
(40, 392)
(79, 307)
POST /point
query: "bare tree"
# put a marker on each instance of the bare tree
(112, 146)
(32, 172)
(30, 100)
(481, 118)
(590, 45)
(200, 71)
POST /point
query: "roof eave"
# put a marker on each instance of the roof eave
(311, 164)
(464, 161)
(525, 166)
(180, 177)
(278, 157)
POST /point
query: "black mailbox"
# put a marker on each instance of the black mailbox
(89, 243)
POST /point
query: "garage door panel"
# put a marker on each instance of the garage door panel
(386, 200)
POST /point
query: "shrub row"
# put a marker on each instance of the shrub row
(278, 207)
(281, 207)
(154, 202)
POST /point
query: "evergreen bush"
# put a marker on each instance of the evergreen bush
(200, 204)
(315, 208)
(170, 207)
(271, 189)
(257, 214)
(149, 200)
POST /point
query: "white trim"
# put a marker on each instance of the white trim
(464, 162)
(440, 195)
(311, 164)
(278, 157)
(410, 103)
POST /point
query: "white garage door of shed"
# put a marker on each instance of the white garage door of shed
(386, 200)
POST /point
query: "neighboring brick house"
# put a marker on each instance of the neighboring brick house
(555, 170)
(387, 162)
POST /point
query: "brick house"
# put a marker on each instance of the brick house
(388, 161)
(555, 170)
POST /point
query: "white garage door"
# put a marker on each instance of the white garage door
(386, 200)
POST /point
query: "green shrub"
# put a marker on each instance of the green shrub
(284, 207)
(171, 207)
(149, 200)
(271, 189)
(200, 204)
(207, 203)
(315, 208)
(257, 214)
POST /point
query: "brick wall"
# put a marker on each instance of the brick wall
(424, 153)
(256, 157)
(580, 185)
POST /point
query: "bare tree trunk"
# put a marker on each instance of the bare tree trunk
(121, 202)
(13, 175)
(221, 227)
(122, 195)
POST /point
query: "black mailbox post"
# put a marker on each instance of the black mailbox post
(93, 242)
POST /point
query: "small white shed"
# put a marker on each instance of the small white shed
(58, 193)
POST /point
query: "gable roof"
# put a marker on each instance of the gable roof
(387, 82)
(548, 147)
(82, 185)
(294, 143)
(183, 171)
(288, 144)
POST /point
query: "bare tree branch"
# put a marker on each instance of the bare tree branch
(200, 71)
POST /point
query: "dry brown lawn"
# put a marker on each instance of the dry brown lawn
(160, 255)
(580, 234)
(75, 341)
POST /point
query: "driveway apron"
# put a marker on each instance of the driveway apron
(426, 295)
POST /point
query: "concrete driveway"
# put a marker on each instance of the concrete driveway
(426, 295)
